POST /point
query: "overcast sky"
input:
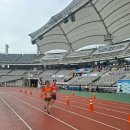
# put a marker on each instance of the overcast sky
(18, 18)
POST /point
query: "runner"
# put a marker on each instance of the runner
(54, 90)
(47, 93)
(120, 90)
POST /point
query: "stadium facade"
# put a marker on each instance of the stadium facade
(82, 23)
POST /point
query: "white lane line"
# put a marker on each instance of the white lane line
(46, 113)
(103, 101)
(115, 102)
(98, 103)
(112, 110)
(108, 109)
(81, 116)
(96, 112)
(106, 105)
(16, 114)
(89, 118)
(114, 106)
(103, 108)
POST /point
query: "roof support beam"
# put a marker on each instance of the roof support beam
(108, 33)
(71, 49)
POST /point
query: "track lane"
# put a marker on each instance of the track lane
(73, 113)
(116, 122)
(106, 104)
(103, 101)
(74, 99)
(9, 120)
(36, 119)
(85, 107)
(119, 114)
(121, 124)
(119, 106)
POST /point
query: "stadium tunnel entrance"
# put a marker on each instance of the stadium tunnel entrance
(34, 82)
(31, 82)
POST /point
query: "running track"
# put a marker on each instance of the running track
(20, 111)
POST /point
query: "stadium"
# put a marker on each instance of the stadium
(93, 37)
(79, 24)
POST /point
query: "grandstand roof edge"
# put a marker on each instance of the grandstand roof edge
(60, 16)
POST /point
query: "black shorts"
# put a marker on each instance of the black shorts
(47, 99)
(53, 97)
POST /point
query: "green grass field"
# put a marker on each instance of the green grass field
(106, 96)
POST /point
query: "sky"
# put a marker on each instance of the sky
(18, 18)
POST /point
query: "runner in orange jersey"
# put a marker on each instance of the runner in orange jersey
(47, 92)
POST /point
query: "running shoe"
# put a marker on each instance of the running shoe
(48, 112)
(51, 106)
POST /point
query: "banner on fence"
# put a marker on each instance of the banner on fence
(124, 86)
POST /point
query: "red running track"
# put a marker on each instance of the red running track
(20, 111)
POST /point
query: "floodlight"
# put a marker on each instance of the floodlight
(65, 20)
(72, 17)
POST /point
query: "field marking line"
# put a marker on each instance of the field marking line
(46, 113)
(16, 114)
(79, 115)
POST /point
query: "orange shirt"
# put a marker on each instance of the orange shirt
(47, 91)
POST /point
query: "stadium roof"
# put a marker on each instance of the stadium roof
(85, 22)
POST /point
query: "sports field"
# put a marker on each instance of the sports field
(24, 111)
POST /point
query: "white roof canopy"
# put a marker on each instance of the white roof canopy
(85, 22)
